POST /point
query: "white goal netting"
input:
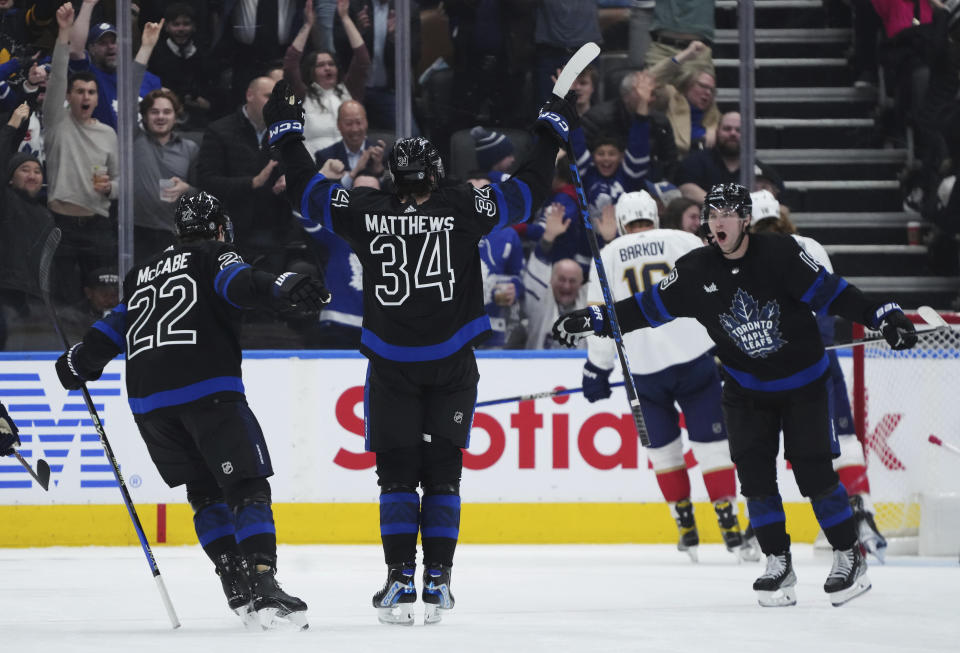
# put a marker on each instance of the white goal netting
(900, 399)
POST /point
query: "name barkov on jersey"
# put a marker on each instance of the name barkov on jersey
(407, 225)
(651, 248)
(163, 266)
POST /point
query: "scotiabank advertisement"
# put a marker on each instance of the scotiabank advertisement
(310, 405)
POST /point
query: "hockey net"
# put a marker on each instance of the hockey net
(899, 399)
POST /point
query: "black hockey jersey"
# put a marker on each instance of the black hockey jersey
(759, 309)
(422, 285)
(179, 326)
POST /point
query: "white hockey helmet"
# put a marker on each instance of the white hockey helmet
(638, 205)
(765, 205)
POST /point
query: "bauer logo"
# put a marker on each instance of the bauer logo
(57, 427)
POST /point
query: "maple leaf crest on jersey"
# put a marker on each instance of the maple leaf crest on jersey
(755, 331)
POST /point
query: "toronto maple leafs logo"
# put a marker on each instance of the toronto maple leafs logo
(356, 272)
(756, 331)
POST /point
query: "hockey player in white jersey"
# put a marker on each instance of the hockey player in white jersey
(671, 365)
(850, 464)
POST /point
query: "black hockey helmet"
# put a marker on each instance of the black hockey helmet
(200, 215)
(727, 197)
(413, 160)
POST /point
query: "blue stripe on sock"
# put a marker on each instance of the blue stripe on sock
(254, 519)
(833, 508)
(440, 531)
(441, 515)
(213, 522)
(399, 513)
(766, 510)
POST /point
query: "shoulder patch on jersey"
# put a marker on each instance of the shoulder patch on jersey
(229, 258)
(340, 197)
(754, 330)
(482, 201)
(669, 279)
(809, 260)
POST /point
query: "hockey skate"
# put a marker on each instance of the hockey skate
(777, 586)
(437, 597)
(234, 576)
(689, 538)
(750, 551)
(729, 528)
(848, 577)
(394, 603)
(870, 536)
(274, 607)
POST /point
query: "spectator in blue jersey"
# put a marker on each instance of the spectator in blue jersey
(494, 153)
(609, 172)
(358, 154)
(341, 319)
(632, 116)
(572, 242)
(100, 58)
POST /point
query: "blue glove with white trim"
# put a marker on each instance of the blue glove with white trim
(560, 116)
(569, 329)
(283, 114)
(596, 382)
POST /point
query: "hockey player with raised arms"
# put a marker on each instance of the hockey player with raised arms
(179, 326)
(851, 464)
(756, 294)
(423, 310)
(671, 365)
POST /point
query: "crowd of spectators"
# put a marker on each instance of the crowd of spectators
(205, 69)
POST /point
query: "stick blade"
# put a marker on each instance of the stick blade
(43, 474)
(931, 317)
(580, 60)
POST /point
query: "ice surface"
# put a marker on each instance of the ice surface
(509, 598)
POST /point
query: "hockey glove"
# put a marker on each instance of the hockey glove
(68, 371)
(596, 382)
(569, 329)
(898, 330)
(283, 114)
(559, 115)
(9, 433)
(301, 292)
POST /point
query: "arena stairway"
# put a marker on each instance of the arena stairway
(818, 130)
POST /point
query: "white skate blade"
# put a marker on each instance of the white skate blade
(859, 587)
(276, 619)
(250, 619)
(693, 553)
(872, 544)
(399, 615)
(748, 553)
(433, 614)
(782, 598)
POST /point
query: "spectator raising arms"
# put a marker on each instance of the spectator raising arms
(316, 78)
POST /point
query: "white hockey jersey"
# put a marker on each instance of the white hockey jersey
(635, 262)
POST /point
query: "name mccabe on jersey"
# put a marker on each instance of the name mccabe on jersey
(407, 225)
(651, 248)
(163, 266)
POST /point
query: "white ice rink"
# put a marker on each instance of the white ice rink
(509, 598)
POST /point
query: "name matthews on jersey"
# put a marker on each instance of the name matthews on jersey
(652, 248)
(407, 225)
(163, 266)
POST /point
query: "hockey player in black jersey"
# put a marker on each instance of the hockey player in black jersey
(423, 310)
(178, 326)
(756, 294)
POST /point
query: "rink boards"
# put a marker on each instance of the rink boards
(555, 470)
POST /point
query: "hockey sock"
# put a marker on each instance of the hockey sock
(674, 484)
(399, 524)
(215, 529)
(833, 512)
(854, 478)
(851, 466)
(769, 523)
(256, 534)
(719, 474)
(441, 527)
(721, 484)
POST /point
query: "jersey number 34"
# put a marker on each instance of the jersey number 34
(433, 267)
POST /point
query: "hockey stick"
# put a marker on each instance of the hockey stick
(946, 445)
(931, 317)
(42, 475)
(46, 261)
(574, 67)
(537, 395)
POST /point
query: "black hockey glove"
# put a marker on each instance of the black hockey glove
(283, 115)
(898, 330)
(301, 292)
(559, 115)
(9, 433)
(69, 373)
(596, 382)
(569, 329)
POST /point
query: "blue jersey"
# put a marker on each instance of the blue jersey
(501, 261)
(344, 279)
